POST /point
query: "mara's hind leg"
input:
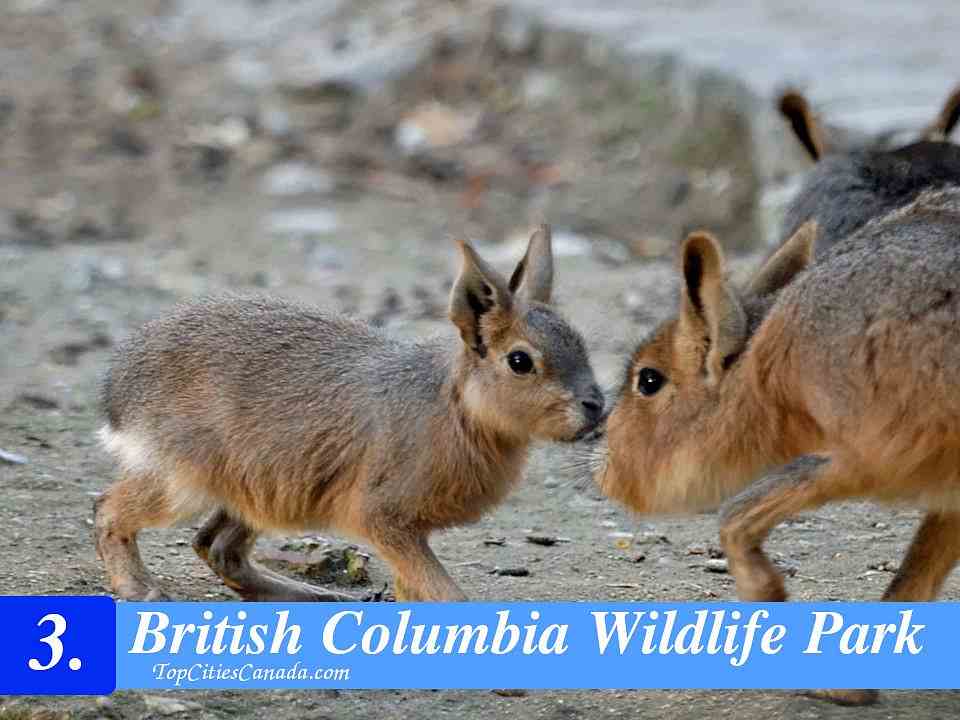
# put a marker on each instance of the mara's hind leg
(128, 506)
(225, 544)
(933, 553)
(745, 521)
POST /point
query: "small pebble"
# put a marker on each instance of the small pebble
(38, 401)
(12, 458)
(716, 565)
(302, 221)
(512, 572)
(167, 705)
(295, 178)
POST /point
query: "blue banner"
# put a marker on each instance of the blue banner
(69, 645)
(537, 645)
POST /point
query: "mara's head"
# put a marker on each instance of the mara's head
(858, 178)
(679, 435)
(525, 370)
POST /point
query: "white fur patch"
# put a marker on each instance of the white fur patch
(132, 450)
(183, 487)
(187, 499)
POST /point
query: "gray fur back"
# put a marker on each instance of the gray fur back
(846, 191)
(266, 367)
(902, 266)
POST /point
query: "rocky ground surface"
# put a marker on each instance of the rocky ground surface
(156, 150)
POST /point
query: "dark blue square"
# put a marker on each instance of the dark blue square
(83, 628)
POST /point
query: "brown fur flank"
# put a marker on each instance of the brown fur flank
(278, 416)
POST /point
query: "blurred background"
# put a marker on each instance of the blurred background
(330, 150)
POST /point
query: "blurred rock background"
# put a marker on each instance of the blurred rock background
(117, 119)
(625, 124)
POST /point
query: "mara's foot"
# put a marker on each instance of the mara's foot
(262, 585)
(845, 697)
(137, 591)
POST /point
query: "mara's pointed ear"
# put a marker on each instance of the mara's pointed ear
(710, 305)
(791, 258)
(795, 108)
(533, 277)
(946, 121)
(478, 291)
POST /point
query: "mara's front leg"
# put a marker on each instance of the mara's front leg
(747, 519)
(418, 575)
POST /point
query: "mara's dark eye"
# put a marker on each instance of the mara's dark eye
(520, 362)
(649, 381)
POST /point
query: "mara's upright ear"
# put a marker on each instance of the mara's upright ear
(533, 277)
(795, 108)
(791, 258)
(478, 291)
(946, 121)
(710, 305)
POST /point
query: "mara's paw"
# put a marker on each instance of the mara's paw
(845, 697)
(382, 595)
(136, 592)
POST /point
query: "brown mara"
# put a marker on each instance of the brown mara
(831, 375)
(271, 415)
(817, 382)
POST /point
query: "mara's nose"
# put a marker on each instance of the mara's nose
(594, 406)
